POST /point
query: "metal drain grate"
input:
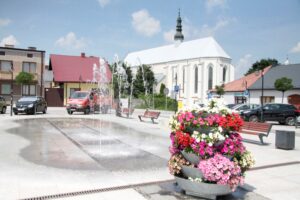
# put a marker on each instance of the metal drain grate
(85, 192)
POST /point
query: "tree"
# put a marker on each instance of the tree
(263, 63)
(127, 81)
(162, 88)
(24, 78)
(139, 82)
(283, 84)
(220, 90)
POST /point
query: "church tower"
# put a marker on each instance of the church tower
(179, 36)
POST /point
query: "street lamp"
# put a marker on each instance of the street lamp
(176, 90)
(11, 90)
(261, 72)
(80, 79)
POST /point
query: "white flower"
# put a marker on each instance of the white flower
(203, 135)
(210, 135)
(210, 144)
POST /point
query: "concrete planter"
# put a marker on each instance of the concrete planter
(204, 190)
(192, 172)
(191, 157)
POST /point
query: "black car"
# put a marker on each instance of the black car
(30, 105)
(283, 113)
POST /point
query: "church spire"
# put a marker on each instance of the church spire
(179, 36)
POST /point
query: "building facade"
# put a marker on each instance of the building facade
(195, 66)
(16, 60)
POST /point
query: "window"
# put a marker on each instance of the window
(29, 67)
(183, 78)
(196, 80)
(29, 90)
(2, 53)
(5, 88)
(239, 100)
(224, 74)
(72, 90)
(29, 55)
(5, 65)
(210, 77)
(268, 99)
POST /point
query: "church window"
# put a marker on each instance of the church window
(210, 77)
(196, 80)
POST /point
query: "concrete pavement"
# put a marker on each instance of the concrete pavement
(62, 156)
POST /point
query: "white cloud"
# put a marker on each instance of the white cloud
(211, 30)
(169, 35)
(4, 22)
(10, 40)
(211, 4)
(144, 24)
(103, 3)
(296, 49)
(70, 41)
(243, 65)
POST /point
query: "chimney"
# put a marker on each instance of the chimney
(32, 48)
(82, 54)
(9, 45)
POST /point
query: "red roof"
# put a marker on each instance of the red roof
(73, 68)
(240, 84)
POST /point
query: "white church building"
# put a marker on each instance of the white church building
(196, 66)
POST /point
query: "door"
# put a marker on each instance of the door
(54, 97)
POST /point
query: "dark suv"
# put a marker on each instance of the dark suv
(283, 113)
(2, 105)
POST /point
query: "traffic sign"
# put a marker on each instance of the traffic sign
(166, 91)
(176, 88)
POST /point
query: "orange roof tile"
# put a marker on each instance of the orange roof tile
(240, 84)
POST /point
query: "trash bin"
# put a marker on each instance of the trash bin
(285, 140)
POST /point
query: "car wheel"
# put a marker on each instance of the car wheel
(70, 112)
(45, 110)
(87, 111)
(290, 121)
(253, 118)
(16, 113)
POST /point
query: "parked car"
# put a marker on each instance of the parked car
(86, 101)
(231, 105)
(242, 107)
(283, 113)
(2, 105)
(30, 105)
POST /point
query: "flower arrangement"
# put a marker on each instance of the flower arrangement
(210, 133)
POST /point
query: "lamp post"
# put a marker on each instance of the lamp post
(176, 90)
(262, 93)
(11, 90)
(80, 79)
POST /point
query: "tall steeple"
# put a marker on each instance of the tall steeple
(179, 36)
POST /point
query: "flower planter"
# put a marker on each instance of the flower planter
(192, 172)
(204, 190)
(191, 157)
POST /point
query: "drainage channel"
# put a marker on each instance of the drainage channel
(86, 192)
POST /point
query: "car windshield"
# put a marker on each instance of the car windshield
(79, 95)
(24, 99)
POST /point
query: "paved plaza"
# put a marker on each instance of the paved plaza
(99, 156)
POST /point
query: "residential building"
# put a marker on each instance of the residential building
(196, 66)
(15, 60)
(73, 73)
(236, 91)
(259, 86)
(270, 94)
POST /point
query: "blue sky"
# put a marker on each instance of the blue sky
(247, 30)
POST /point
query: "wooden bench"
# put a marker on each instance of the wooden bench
(256, 128)
(127, 111)
(150, 114)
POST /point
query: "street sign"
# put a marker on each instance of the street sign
(166, 91)
(246, 93)
(209, 95)
(176, 88)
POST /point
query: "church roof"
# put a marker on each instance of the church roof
(200, 48)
